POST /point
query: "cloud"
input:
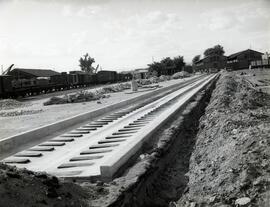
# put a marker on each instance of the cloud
(246, 18)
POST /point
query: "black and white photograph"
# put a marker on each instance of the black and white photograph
(134, 103)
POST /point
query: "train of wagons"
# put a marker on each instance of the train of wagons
(16, 82)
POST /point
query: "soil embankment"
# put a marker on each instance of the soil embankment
(230, 162)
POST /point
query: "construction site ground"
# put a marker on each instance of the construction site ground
(215, 153)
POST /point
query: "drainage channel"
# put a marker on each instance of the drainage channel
(100, 148)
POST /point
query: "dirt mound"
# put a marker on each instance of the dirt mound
(230, 164)
(24, 188)
(10, 104)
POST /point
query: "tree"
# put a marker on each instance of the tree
(196, 59)
(216, 50)
(156, 68)
(179, 63)
(86, 64)
(167, 62)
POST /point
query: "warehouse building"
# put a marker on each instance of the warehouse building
(243, 59)
(237, 61)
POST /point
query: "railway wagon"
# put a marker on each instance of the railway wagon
(89, 79)
(121, 77)
(5, 86)
(106, 76)
(60, 81)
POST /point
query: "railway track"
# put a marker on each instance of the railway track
(100, 148)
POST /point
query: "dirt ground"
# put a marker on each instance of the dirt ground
(23, 188)
(230, 162)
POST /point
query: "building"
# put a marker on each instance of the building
(141, 73)
(23, 73)
(264, 62)
(243, 59)
(237, 61)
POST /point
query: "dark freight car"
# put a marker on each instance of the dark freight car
(5, 85)
(60, 80)
(106, 76)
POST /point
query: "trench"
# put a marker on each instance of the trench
(169, 150)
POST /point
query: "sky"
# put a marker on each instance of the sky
(126, 34)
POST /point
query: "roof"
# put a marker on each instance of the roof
(232, 56)
(38, 72)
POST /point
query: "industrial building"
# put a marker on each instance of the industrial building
(243, 59)
(236, 61)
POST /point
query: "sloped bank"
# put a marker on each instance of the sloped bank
(230, 162)
(159, 175)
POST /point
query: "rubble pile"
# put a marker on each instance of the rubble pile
(181, 74)
(10, 104)
(84, 95)
(230, 162)
(164, 78)
(116, 88)
(153, 80)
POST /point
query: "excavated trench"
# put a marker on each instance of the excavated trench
(165, 179)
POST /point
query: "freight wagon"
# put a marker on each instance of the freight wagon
(13, 86)
(106, 76)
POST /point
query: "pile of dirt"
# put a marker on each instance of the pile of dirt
(230, 162)
(10, 104)
(24, 188)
